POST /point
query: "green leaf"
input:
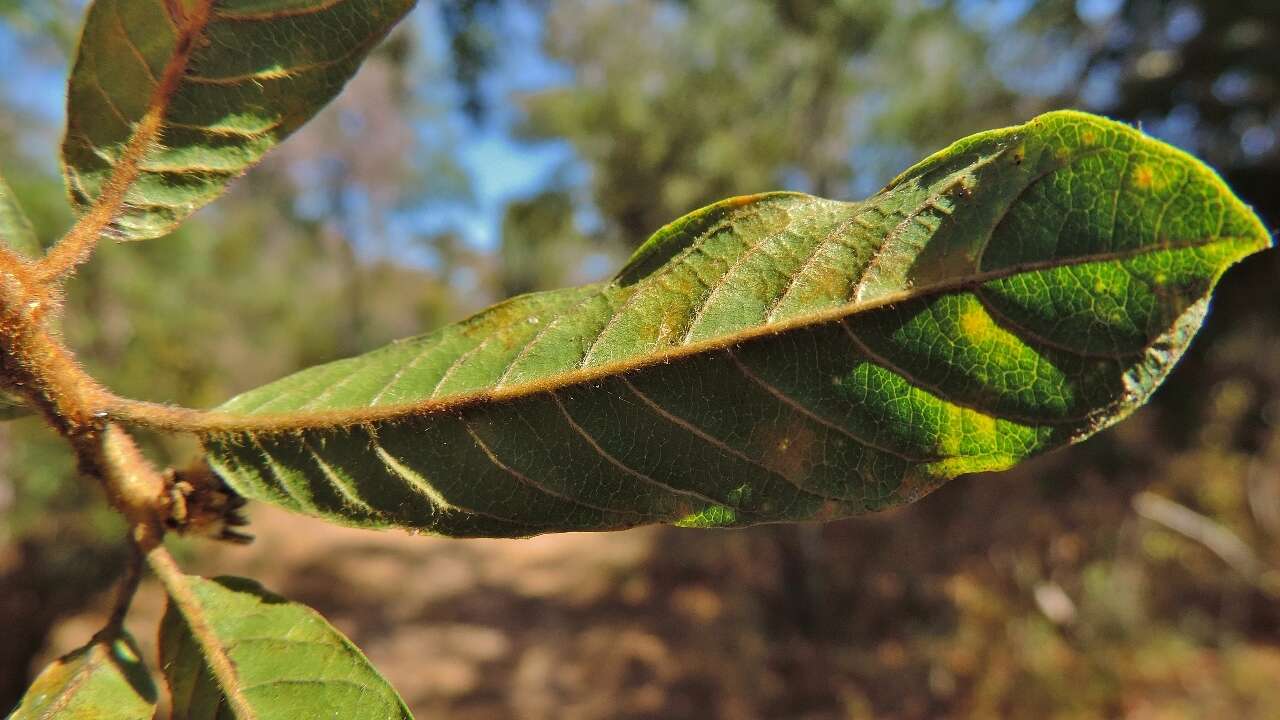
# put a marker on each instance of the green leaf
(104, 680)
(290, 663)
(777, 357)
(170, 100)
(15, 229)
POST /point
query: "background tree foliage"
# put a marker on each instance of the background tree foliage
(1056, 589)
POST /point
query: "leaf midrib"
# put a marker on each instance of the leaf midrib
(221, 422)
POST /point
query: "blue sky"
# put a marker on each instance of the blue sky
(501, 168)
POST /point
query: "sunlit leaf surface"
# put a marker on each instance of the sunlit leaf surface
(778, 357)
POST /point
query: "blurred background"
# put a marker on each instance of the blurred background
(493, 147)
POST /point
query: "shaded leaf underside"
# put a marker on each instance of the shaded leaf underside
(105, 680)
(289, 662)
(172, 99)
(777, 357)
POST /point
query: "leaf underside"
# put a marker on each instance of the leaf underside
(177, 98)
(289, 662)
(777, 357)
(105, 680)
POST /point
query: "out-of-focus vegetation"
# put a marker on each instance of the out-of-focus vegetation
(1059, 589)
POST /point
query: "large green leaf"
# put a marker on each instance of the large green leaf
(172, 99)
(104, 680)
(289, 662)
(778, 357)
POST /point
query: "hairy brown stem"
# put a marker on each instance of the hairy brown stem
(192, 611)
(157, 416)
(35, 362)
(134, 486)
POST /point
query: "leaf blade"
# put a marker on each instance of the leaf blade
(289, 661)
(778, 357)
(168, 102)
(104, 680)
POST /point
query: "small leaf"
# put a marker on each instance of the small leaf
(15, 229)
(289, 662)
(778, 357)
(104, 680)
(170, 100)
